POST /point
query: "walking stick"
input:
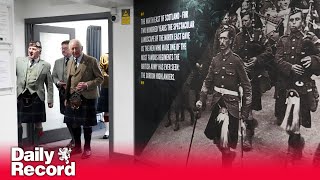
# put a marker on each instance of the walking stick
(197, 116)
(241, 123)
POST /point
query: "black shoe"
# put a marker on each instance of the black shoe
(247, 145)
(105, 137)
(76, 151)
(176, 127)
(86, 154)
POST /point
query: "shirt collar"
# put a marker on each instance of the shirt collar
(65, 58)
(35, 60)
(79, 58)
(226, 54)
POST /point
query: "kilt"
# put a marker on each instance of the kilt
(213, 128)
(85, 115)
(103, 101)
(30, 108)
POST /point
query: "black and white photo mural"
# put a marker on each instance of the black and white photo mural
(228, 83)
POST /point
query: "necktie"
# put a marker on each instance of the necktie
(75, 63)
(67, 59)
(32, 62)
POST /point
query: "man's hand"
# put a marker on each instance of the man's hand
(298, 69)
(82, 86)
(306, 61)
(199, 104)
(50, 105)
(62, 84)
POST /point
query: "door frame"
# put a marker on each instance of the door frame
(81, 17)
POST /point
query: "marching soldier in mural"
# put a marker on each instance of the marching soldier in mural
(295, 92)
(225, 75)
(32, 74)
(250, 45)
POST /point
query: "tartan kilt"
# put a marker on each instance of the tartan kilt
(103, 101)
(30, 108)
(85, 115)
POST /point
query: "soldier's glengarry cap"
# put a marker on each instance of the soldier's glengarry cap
(35, 44)
(294, 11)
(228, 28)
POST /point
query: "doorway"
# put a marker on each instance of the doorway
(51, 31)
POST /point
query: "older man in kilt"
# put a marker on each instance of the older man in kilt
(84, 77)
(225, 75)
(32, 74)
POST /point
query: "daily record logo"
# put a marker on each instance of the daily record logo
(43, 159)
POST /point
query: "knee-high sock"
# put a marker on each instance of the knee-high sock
(37, 133)
(70, 131)
(87, 131)
(20, 132)
(107, 128)
(77, 136)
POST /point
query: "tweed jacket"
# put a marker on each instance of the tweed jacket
(59, 71)
(88, 71)
(36, 84)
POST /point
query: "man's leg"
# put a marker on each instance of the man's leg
(250, 126)
(106, 123)
(71, 143)
(20, 132)
(76, 129)
(38, 132)
(87, 131)
(227, 156)
(295, 147)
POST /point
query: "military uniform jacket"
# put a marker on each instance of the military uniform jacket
(288, 53)
(248, 44)
(227, 71)
(35, 82)
(87, 71)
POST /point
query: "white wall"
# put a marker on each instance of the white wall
(44, 8)
(123, 86)
(81, 31)
(8, 109)
(123, 63)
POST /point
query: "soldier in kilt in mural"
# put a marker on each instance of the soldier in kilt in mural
(84, 77)
(32, 74)
(296, 93)
(250, 45)
(225, 75)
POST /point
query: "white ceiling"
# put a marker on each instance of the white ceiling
(105, 3)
